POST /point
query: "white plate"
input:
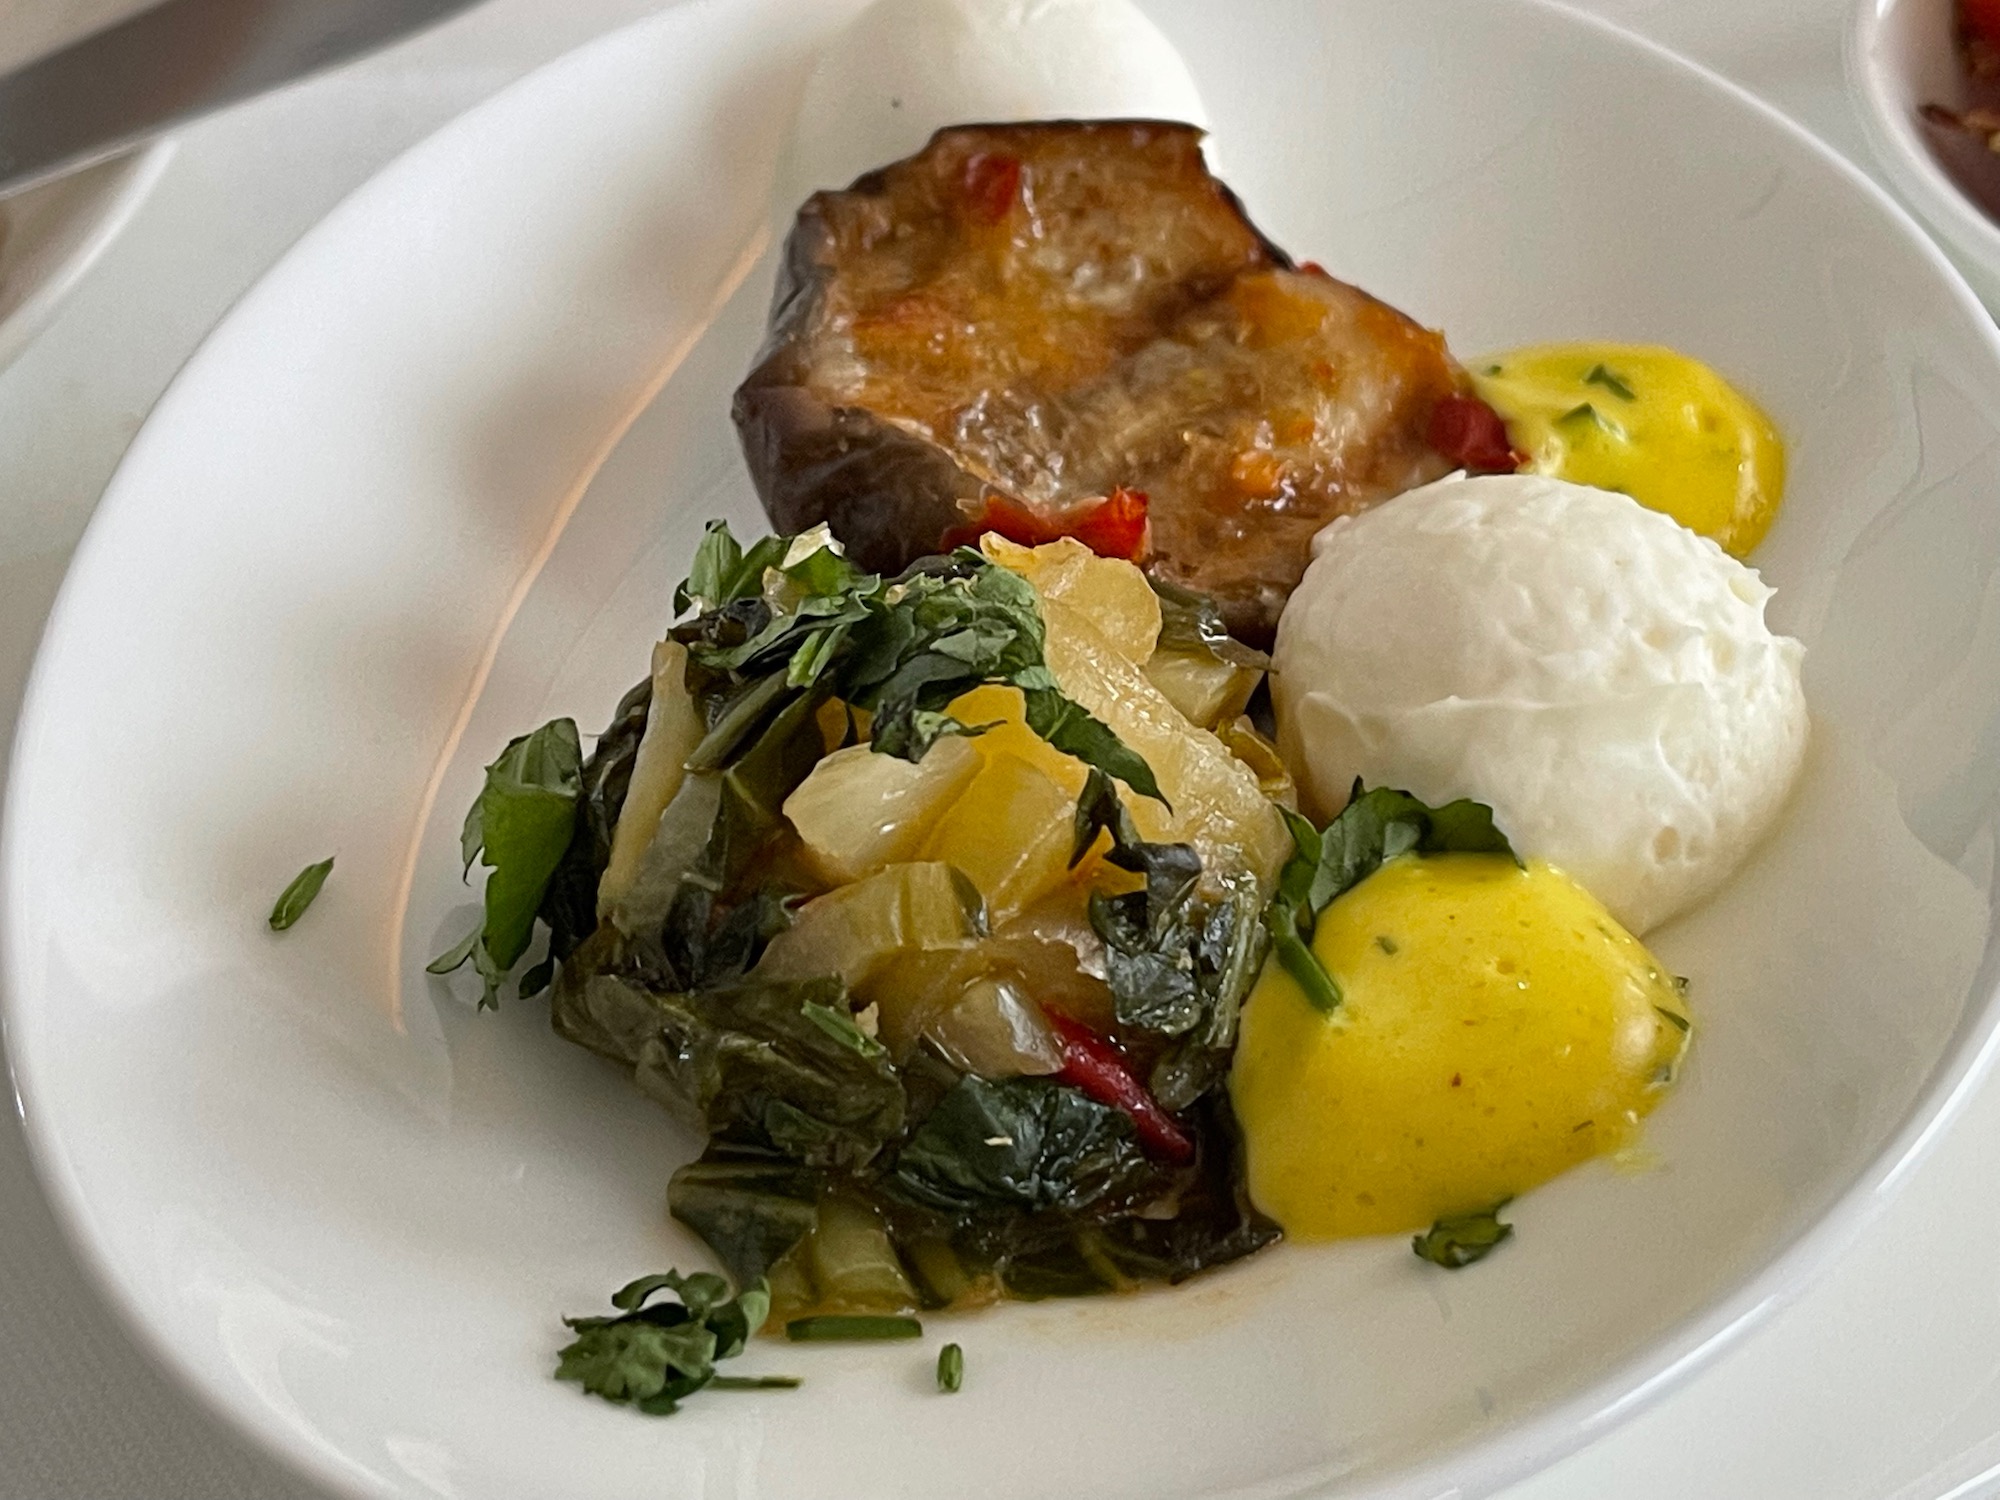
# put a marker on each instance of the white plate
(432, 482)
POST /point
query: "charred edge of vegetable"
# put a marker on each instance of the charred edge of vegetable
(889, 496)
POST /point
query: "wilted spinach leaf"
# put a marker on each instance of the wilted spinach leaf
(743, 1062)
(1191, 625)
(1020, 1145)
(748, 1209)
(1179, 965)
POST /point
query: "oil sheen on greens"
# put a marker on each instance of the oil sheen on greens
(855, 1183)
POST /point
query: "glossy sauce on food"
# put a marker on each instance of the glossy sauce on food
(1651, 422)
(1497, 1027)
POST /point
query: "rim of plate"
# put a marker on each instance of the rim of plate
(1886, 120)
(1480, 1465)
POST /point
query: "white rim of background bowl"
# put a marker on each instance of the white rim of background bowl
(135, 176)
(1889, 121)
(1485, 1464)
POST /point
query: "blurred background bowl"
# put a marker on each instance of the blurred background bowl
(1901, 56)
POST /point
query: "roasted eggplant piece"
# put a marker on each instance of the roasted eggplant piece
(1021, 318)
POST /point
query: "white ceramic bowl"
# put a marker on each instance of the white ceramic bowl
(432, 482)
(1900, 57)
(51, 234)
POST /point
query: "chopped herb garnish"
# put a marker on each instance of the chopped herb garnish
(1578, 415)
(1458, 1241)
(299, 895)
(1374, 827)
(1600, 376)
(839, 1024)
(655, 1355)
(1492, 369)
(839, 1327)
(950, 1368)
(1388, 945)
(1679, 1021)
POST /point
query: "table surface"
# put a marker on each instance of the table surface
(1881, 1383)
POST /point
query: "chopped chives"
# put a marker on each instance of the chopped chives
(1600, 376)
(831, 1327)
(951, 1368)
(755, 1383)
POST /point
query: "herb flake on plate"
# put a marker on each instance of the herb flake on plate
(655, 1354)
(299, 895)
(1459, 1240)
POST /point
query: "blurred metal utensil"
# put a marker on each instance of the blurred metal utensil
(174, 62)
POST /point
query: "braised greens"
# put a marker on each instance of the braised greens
(862, 1179)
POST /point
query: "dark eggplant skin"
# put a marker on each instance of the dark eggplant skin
(1042, 313)
(887, 491)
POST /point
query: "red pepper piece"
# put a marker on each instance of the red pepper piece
(1112, 527)
(1092, 1065)
(1470, 433)
(992, 183)
(1117, 528)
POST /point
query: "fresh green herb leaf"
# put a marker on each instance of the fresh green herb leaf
(454, 956)
(656, 1354)
(1674, 1018)
(524, 821)
(1066, 725)
(1376, 826)
(1600, 376)
(842, 1327)
(299, 895)
(722, 572)
(1458, 1241)
(839, 1024)
(950, 1368)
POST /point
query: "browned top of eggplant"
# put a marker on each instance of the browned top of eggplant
(1049, 311)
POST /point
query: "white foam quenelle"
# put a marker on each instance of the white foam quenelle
(906, 67)
(1593, 670)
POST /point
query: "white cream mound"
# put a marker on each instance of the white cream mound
(903, 68)
(1598, 673)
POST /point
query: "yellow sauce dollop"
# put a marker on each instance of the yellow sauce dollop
(1664, 428)
(1497, 1027)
